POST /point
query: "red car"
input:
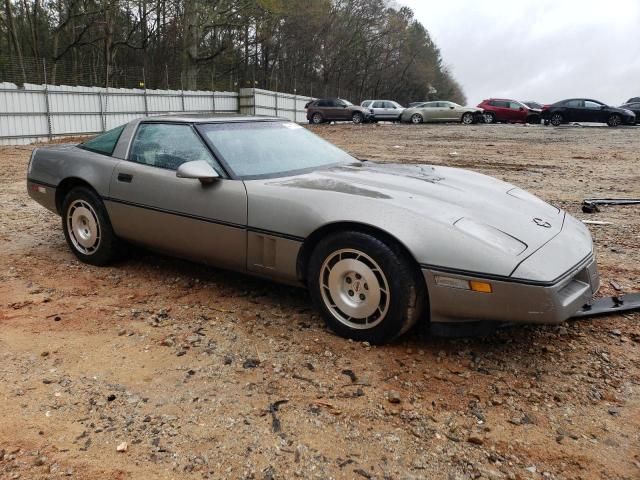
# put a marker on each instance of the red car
(508, 111)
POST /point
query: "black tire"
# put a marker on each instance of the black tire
(316, 118)
(489, 117)
(357, 118)
(395, 313)
(83, 202)
(467, 118)
(614, 120)
(556, 119)
(416, 119)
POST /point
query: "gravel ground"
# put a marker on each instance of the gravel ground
(158, 368)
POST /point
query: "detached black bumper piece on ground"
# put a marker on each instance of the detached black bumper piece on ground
(590, 205)
(608, 305)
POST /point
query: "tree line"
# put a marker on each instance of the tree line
(354, 49)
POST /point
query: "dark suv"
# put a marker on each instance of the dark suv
(508, 111)
(335, 109)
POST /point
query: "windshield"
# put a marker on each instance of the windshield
(346, 102)
(271, 149)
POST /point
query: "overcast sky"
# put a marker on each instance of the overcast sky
(542, 50)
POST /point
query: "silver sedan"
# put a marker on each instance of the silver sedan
(442, 112)
(379, 246)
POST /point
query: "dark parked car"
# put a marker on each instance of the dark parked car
(508, 111)
(634, 107)
(335, 109)
(586, 110)
(634, 100)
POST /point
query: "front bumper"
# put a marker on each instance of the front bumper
(406, 116)
(514, 301)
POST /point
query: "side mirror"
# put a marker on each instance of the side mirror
(452, 108)
(521, 109)
(198, 169)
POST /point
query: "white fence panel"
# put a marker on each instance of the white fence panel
(226, 102)
(254, 101)
(126, 100)
(198, 101)
(164, 101)
(39, 112)
(83, 123)
(22, 110)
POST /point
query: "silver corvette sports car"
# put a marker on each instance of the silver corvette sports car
(379, 246)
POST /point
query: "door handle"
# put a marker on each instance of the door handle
(125, 177)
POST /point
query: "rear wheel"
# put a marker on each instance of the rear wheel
(556, 119)
(416, 118)
(87, 228)
(357, 118)
(366, 289)
(467, 118)
(316, 118)
(614, 120)
(489, 117)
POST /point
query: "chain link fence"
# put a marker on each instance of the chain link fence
(163, 76)
(157, 76)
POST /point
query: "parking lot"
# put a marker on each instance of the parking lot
(159, 368)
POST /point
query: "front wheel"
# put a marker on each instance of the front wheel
(556, 119)
(467, 118)
(365, 289)
(416, 118)
(357, 118)
(87, 228)
(489, 118)
(614, 120)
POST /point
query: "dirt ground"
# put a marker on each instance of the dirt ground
(209, 374)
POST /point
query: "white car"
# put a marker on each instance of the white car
(383, 109)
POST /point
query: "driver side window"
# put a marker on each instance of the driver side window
(592, 105)
(166, 145)
(574, 104)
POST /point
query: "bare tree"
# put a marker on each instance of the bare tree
(353, 48)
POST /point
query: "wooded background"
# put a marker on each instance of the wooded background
(354, 49)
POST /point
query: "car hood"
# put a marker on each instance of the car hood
(622, 110)
(477, 206)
